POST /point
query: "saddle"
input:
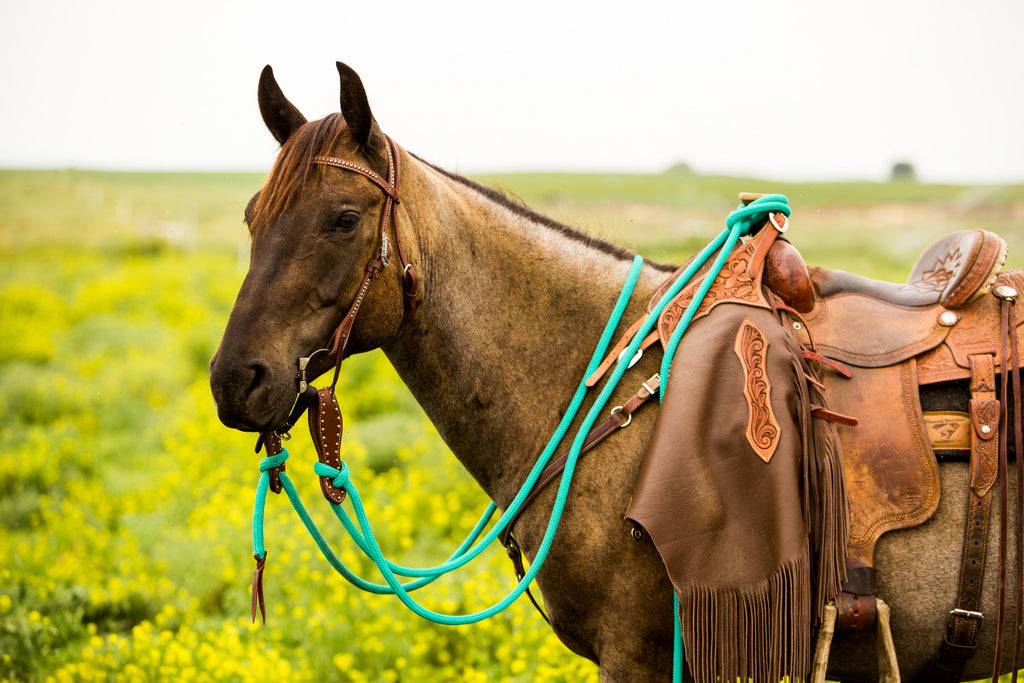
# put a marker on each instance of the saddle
(874, 344)
(894, 338)
(943, 325)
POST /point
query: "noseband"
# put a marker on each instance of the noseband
(378, 262)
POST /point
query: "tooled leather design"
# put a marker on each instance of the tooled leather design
(978, 282)
(733, 284)
(936, 279)
(763, 431)
(976, 332)
(985, 413)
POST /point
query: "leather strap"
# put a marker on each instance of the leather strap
(1018, 435)
(620, 417)
(965, 620)
(392, 196)
(325, 426)
(1011, 370)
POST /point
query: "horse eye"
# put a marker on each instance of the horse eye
(347, 221)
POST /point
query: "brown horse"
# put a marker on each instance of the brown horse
(492, 341)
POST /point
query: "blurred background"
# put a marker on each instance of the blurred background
(130, 142)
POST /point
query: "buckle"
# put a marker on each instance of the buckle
(964, 614)
(967, 614)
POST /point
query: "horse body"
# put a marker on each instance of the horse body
(511, 309)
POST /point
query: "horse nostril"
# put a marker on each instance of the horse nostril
(260, 373)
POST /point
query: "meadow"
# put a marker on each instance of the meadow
(125, 505)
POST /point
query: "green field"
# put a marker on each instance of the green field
(125, 505)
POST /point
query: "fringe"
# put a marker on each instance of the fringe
(758, 632)
(765, 631)
(826, 502)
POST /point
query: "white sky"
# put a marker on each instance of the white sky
(789, 89)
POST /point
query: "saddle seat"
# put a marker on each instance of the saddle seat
(871, 323)
(952, 272)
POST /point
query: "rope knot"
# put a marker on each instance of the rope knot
(338, 477)
(749, 215)
(273, 461)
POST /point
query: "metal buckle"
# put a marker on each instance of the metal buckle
(966, 614)
(300, 376)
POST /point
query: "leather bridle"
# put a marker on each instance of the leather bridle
(378, 263)
(382, 258)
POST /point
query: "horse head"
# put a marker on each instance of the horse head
(319, 236)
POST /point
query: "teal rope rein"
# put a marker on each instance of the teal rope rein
(739, 224)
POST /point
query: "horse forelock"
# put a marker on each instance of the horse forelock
(294, 166)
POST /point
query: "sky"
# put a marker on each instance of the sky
(787, 89)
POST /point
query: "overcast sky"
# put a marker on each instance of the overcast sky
(787, 89)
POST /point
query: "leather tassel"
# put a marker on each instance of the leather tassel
(257, 589)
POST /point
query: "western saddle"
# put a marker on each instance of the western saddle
(942, 325)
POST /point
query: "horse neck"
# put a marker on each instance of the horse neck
(511, 313)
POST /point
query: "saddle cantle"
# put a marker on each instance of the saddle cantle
(953, 271)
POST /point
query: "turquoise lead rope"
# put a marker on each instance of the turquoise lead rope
(739, 224)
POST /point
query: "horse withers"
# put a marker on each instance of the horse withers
(480, 340)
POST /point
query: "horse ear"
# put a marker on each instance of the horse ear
(280, 115)
(354, 105)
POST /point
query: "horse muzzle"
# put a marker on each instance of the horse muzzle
(250, 394)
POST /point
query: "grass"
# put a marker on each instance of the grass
(124, 503)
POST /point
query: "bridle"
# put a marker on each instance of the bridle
(378, 263)
(325, 419)
(382, 258)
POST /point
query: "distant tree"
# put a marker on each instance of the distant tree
(903, 170)
(681, 168)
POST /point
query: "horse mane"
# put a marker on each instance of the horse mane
(521, 209)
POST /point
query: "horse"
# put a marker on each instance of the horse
(489, 319)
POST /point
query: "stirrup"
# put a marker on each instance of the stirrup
(888, 667)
